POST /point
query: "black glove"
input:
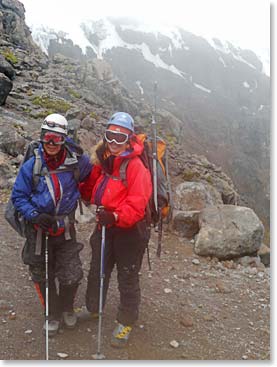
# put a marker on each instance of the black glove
(104, 217)
(45, 221)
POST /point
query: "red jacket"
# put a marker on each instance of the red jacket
(127, 201)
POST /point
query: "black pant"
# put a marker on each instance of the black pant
(64, 269)
(125, 248)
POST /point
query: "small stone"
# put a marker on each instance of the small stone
(208, 318)
(29, 331)
(229, 264)
(244, 357)
(167, 290)
(141, 326)
(62, 355)
(195, 261)
(12, 315)
(174, 344)
(186, 321)
(221, 288)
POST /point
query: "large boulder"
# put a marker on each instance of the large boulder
(6, 171)
(103, 69)
(186, 223)
(13, 23)
(5, 88)
(6, 68)
(196, 196)
(12, 143)
(15, 6)
(228, 231)
(264, 253)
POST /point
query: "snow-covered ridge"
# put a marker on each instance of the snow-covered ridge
(223, 47)
(104, 31)
(42, 35)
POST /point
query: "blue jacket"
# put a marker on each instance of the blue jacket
(30, 201)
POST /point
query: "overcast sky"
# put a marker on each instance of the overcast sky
(245, 23)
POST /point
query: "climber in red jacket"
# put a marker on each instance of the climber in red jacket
(122, 203)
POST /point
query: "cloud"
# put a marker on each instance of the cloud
(245, 23)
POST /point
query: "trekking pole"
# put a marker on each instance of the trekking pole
(155, 176)
(99, 355)
(154, 137)
(46, 296)
(169, 191)
(160, 231)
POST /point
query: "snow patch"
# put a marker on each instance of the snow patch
(172, 32)
(170, 50)
(156, 60)
(138, 83)
(239, 58)
(42, 37)
(222, 61)
(261, 107)
(199, 86)
(228, 49)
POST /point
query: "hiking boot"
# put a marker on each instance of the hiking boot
(120, 336)
(83, 314)
(53, 327)
(69, 319)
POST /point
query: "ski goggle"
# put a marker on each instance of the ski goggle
(116, 137)
(53, 124)
(54, 138)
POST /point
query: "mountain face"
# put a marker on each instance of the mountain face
(217, 93)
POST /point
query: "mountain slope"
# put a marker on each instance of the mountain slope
(219, 92)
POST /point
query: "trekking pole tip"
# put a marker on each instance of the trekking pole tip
(98, 356)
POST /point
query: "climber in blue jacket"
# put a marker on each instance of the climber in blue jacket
(46, 194)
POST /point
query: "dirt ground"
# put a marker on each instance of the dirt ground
(192, 308)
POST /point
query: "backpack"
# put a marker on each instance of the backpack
(155, 216)
(14, 217)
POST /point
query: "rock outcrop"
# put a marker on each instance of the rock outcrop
(228, 231)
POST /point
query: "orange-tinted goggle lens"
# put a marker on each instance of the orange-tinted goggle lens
(56, 139)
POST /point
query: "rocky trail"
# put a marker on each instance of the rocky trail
(193, 308)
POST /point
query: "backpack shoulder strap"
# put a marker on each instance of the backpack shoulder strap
(37, 167)
(123, 171)
(76, 169)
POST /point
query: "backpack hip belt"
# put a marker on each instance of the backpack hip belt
(68, 219)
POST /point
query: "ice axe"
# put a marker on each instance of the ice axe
(99, 355)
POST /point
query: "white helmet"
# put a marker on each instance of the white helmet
(55, 122)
